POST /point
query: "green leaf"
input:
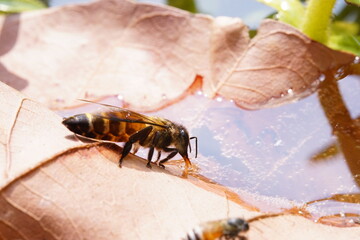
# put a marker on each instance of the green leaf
(317, 19)
(354, 2)
(188, 5)
(289, 11)
(15, 6)
(345, 36)
(314, 20)
(348, 13)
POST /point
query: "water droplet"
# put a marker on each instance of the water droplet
(290, 91)
(199, 93)
(340, 73)
(120, 97)
(357, 60)
(219, 99)
(322, 77)
(342, 214)
(278, 143)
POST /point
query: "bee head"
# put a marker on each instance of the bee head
(182, 142)
(236, 225)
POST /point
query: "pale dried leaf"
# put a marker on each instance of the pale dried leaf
(117, 47)
(53, 189)
(25, 130)
(110, 47)
(280, 65)
(83, 195)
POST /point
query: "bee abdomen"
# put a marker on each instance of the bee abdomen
(78, 124)
(96, 127)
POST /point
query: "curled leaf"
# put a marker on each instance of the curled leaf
(24, 129)
(117, 47)
(279, 65)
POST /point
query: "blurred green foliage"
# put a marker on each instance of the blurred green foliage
(289, 11)
(16, 6)
(355, 2)
(342, 30)
(188, 5)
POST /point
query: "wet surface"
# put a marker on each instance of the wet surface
(293, 155)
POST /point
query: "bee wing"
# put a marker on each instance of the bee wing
(125, 115)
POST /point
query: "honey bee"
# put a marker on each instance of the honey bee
(122, 125)
(229, 228)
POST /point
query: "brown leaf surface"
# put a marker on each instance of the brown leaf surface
(25, 130)
(56, 189)
(118, 47)
(109, 47)
(53, 188)
(280, 64)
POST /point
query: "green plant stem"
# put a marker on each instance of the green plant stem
(317, 19)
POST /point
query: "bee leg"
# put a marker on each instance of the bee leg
(173, 152)
(238, 238)
(158, 156)
(151, 151)
(150, 154)
(140, 135)
(136, 148)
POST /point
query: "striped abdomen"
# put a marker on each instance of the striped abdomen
(102, 126)
(226, 228)
(202, 233)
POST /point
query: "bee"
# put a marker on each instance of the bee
(229, 228)
(122, 125)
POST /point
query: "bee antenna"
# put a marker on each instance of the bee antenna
(196, 146)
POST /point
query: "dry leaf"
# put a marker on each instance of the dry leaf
(118, 47)
(56, 190)
(53, 188)
(105, 48)
(280, 65)
(25, 135)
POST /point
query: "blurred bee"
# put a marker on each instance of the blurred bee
(229, 228)
(122, 125)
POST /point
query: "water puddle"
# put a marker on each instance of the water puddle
(295, 155)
